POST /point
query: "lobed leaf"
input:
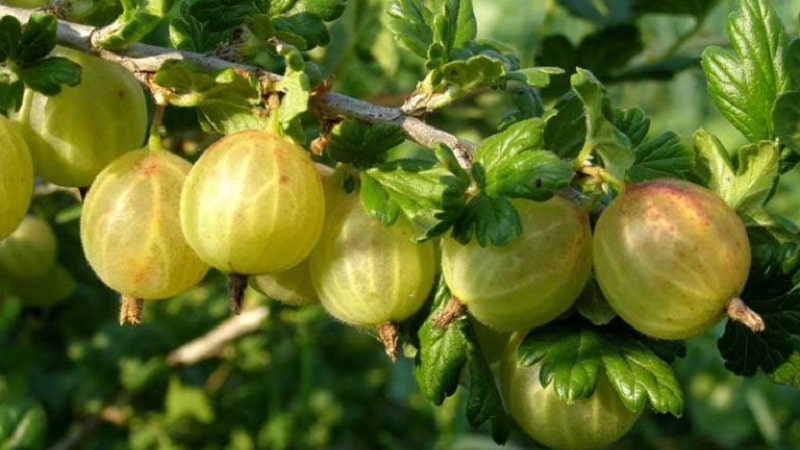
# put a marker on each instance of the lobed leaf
(224, 99)
(664, 156)
(10, 34)
(430, 194)
(363, 145)
(745, 82)
(746, 182)
(38, 38)
(565, 131)
(442, 353)
(411, 21)
(49, 74)
(605, 140)
(571, 354)
(138, 18)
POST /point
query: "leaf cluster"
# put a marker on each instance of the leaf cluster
(25, 62)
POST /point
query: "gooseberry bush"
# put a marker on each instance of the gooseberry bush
(269, 195)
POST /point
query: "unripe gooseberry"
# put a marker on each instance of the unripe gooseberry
(669, 255)
(16, 177)
(252, 204)
(531, 280)
(30, 250)
(74, 134)
(46, 290)
(586, 423)
(130, 229)
(367, 274)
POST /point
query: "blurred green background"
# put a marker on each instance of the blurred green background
(71, 377)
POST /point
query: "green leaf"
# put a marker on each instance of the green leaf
(664, 156)
(556, 50)
(600, 12)
(11, 93)
(571, 354)
(10, 34)
(49, 74)
(746, 182)
(602, 136)
(489, 220)
(534, 76)
(224, 99)
(295, 86)
(464, 76)
(484, 401)
(520, 137)
(444, 353)
(565, 131)
(745, 82)
(786, 119)
(327, 10)
(304, 31)
(570, 357)
(633, 122)
(593, 306)
(430, 194)
(534, 174)
(38, 37)
(410, 21)
(791, 60)
(462, 20)
(189, 30)
(361, 144)
(138, 18)
(376, 200)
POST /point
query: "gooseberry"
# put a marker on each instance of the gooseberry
(367, 274)
(586, 423)
(65, 150)
(531, 280)
(668, 256)
(16, 177)
(130, 229)
(292, 286)
(252, 204)
(30, 250)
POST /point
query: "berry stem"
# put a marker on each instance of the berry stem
(237, 283)
(389, 334)
(738, 311)
(453, 310)
(130, 310)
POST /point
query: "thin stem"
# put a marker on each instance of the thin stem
(144, 58)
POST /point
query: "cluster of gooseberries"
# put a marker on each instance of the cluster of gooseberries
(255, 206)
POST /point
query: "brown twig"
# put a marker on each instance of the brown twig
(140, 58)
(209, 344)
